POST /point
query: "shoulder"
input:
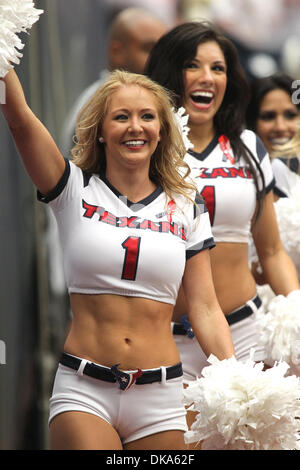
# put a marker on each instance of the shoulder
(71, 183)
(286, 178)
(293, 164)
(254, 143)
(278, 164)
(287, 164)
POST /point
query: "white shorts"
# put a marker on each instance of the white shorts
(244, 335)
(138, 412)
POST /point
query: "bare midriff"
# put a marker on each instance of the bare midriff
(130, 331)
(233, 281)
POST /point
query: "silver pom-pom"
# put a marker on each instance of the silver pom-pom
(242, 407)
(16, 16)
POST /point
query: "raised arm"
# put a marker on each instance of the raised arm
(206, 317)
(278, 269)
(41, 157)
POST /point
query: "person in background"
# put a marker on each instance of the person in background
(132, 228)
(166, 10)
(274, 116)
(233, 173)
(286, 166)
(133, 33)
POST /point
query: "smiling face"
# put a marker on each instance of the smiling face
(130, 128)
(205, 83)
(277, 120)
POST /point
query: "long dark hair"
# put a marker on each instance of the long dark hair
(167, 61)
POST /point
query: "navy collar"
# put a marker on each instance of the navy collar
(136, 205)
(210, 147)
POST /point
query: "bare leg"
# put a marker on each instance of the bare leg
(166, 440)
(75, 430)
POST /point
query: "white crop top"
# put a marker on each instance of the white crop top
(228, 188)
(111, 246)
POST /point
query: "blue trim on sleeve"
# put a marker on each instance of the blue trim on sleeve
(58, 188)
(270, 186)
(292, 163)
(260, 149)
(278, 192)
(209, 243)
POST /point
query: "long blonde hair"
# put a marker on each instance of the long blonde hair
(167, 167)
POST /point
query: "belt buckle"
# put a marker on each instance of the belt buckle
(125, 380)
(187, 326)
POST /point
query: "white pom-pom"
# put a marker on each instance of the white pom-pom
(265, 294)
(288, 217)
(240, 406)
(280, 329)
(16, 16)
(295, 358)
(182, 120)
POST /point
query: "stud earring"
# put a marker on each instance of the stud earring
(101, 140)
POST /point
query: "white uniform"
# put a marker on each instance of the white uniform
(230, 195)
(287, 207)
(112, 246)
(286, 173)
(228, 188)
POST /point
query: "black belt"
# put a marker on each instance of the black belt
(109, 375)
(234, 317)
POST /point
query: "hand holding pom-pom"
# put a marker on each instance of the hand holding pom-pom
(243, 407)
(280, 328)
